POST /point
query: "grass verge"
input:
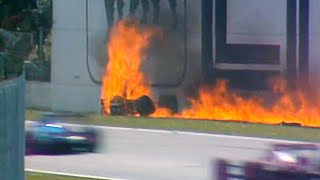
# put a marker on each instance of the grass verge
(44, 176)
(32, 114)
(207, 126)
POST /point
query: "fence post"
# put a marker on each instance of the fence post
(12, 140)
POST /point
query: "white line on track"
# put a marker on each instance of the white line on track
(73, 175)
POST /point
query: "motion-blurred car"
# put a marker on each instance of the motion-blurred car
(47, 136)
(292, 157)
(281, 161)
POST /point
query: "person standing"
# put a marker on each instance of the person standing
(134, 4)
(156, 11)
(109, 5)
(173, 8)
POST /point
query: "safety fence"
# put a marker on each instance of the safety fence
(37, 71)
(34, 70)
(12, 143)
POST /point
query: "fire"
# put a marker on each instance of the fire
(123, 77)
(219, 103)
(126, 51)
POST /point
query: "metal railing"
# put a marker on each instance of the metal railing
(9, 67)
(34, 70)
(37, 70)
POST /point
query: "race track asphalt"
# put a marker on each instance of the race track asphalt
(146, 155)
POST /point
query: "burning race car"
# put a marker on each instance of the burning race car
(281, 162)
(143, 106)
(47, 136)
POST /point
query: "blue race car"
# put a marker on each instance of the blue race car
(48, 136)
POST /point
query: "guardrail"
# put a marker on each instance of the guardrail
(12, 140)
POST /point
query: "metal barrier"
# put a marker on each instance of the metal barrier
(37, 71)
(12, 138)
(10, 67)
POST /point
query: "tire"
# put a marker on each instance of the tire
(91, 148)
(63, 148)
(30, 147)
(221, 167)
(118, 106)
(251, 170)
(144, 106)
(92, 137)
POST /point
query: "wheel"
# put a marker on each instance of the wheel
(118, 106)
(221, 166)
(251, 170)
(144, 106)
(30, 147)
(92, 137)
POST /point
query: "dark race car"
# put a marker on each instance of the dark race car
(47, 136)
(281, 161)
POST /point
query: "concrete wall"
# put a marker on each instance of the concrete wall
(314, 41)
(72, 89)
(38, 95)
(248, 21)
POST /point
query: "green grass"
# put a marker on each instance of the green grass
(43, 176)
(32, 114)
(218, 127)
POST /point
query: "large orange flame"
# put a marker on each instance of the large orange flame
(219, 103)
(126, 50)
(126, 53)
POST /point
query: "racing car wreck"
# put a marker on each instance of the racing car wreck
(280, 162)
(143, 106)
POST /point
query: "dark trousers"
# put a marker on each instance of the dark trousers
(109, 5)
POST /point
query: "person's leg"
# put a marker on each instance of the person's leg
(109, 5)
(173, 7)
(120, 5)
(133, 7)
(156, 11)
(145, 11)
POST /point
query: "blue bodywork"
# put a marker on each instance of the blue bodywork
(48, 131)
(52, 135)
